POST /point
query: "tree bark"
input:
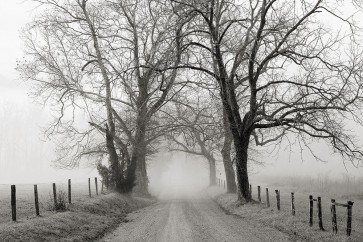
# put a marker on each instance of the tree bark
(139, 149)
(114, 162)
(241, 147)
(212, 171)
(226, 156)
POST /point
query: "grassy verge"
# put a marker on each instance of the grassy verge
(297, 227)
(84, 221)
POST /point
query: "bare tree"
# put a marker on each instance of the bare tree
(301, 76)
(200, 130)
(108, 59)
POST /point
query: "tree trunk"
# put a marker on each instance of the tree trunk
(142, 181)
(212, 171)
(110, 127)
(226, 155)
(114, 163)
(241, 147)
(139, 154)
(229, 171)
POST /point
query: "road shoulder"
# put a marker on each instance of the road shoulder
(295, 227)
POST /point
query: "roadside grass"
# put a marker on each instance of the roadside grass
(85, 220)
(296, 226)
(25, 204)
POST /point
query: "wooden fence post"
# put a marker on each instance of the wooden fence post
(267, 198)
(334, 216)
(13, 202)
(311, 204)
(36, 200)
(55, 196)
(349, 220)
(89, 187)
(259, 193)
(278, 199)
(292, 204)
(320, 214)
(250, 190)
(69, 191)
(96, 184)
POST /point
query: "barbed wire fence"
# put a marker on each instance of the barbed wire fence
(322, 213)
(25, 201)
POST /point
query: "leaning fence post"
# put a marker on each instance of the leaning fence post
(36, 200)
(334, 216)
(320, 214)
(89, 187)
(13, 202)
(259, 193)
(311, 204)
(96, 184)
(267, 198)
(278, 199)
(349, 220)
(55, 196)
(292, 204)
(69, 191)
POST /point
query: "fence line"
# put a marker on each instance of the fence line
(57, 196)
(311, 200)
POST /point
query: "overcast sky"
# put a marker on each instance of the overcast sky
(28, 163)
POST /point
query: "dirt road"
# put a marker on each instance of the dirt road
(192, 218)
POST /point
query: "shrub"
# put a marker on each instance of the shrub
(61, 204)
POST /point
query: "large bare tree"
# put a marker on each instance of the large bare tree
(298, 74)
(105, 58)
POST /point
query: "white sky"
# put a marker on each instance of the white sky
(13, 15)
(24, 157)
(32, 166)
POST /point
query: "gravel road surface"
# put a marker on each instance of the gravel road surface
(190, 218)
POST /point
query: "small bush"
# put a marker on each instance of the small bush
(61, 204)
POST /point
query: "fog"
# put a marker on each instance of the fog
(26, 158)
(25, 154)
(176, 174)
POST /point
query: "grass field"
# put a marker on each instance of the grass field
(25, 199)
(298, 226)
(86, 220)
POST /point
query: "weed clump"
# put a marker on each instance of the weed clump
(61, 202)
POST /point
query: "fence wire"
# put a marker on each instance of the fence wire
(25, 199)
(301, 203)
